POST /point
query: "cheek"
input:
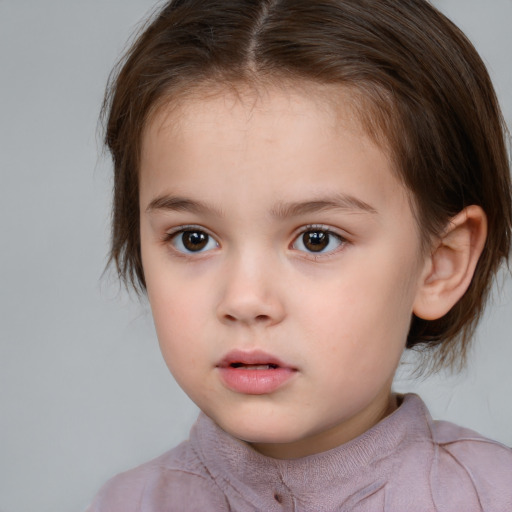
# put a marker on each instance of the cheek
(362, 318)
(177, 323)
(174, 297)
(179, 311)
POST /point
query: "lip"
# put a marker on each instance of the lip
(254, 372)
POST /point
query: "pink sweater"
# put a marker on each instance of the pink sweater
(406, 463)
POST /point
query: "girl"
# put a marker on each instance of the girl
(304, 189)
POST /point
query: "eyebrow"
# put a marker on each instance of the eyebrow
(280, 210)
(338, 202)
(181, 204)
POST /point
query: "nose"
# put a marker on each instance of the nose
(250, 294)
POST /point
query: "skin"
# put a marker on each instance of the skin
(237, 168)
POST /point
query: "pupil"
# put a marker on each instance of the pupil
(315, 241)
(195, 240)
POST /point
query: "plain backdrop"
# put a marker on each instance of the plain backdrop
(84, 393)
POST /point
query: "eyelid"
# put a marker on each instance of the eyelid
(170, 235)
(343, 241)
(342, 234)
(187, 227)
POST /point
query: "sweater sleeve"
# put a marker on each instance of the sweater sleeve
(170, 490)
(174, 482)
(470, 470)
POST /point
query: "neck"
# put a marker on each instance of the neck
(382, 406)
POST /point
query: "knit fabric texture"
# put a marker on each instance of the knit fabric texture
(405, 463)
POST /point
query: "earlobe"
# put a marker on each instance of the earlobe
(451, 266)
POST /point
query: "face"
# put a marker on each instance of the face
(282, 262)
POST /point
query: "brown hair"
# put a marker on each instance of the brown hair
(422, 87)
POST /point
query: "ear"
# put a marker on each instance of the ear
(450, 268)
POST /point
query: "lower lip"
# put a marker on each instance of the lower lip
(255, 382)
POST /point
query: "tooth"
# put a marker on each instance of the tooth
(269, 366)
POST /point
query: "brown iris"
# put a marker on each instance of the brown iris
(194, 240)
(315, 241)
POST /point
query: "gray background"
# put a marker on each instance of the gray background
(84, 393)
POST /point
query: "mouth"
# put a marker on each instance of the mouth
(252, 360)
(254, 366)
(254, 373)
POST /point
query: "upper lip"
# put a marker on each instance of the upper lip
(253, 357)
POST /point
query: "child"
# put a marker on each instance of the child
(304, 189)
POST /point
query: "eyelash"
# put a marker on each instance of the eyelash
(326, 232)
(171, 237)
(326, 237)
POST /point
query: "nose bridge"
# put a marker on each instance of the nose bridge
(249, 291)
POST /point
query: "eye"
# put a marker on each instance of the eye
(191, 240)
(318, 240)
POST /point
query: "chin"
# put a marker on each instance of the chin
(260, 431)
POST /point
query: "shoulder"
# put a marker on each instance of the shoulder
(175, 481)
(479, 469)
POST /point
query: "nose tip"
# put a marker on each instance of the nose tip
(257, 312)
(250, 300)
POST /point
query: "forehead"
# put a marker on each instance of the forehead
(294, 138)
(337, 106)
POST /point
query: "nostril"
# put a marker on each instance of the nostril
(257, 319)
